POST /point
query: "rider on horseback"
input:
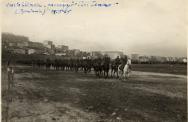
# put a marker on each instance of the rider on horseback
(123, 62)
(117, 61)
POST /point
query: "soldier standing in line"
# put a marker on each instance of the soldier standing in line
(10, 72)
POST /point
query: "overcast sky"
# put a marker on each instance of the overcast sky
(152, 27)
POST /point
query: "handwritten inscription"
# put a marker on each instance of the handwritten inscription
(54, 8)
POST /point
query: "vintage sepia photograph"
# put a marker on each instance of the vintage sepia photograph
(93, 61)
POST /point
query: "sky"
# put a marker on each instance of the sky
(151, 27)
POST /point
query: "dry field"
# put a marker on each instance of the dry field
(60, 96)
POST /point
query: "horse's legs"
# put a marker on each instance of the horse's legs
(111, 72)
(112, 75)
(117, 72)
(105, 74)
(120, 74)
(100, 73)
(128, 73)
(125, 75)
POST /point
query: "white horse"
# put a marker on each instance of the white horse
(126, 70)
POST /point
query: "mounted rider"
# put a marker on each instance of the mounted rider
(117, 61)
(106, 59)
(123, 62)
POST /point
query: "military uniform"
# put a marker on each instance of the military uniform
(10, 72)
(117, 61)
(123, 62)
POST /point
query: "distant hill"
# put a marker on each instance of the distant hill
(8, 37)
(11, 38)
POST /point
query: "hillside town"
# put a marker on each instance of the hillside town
(16, 44)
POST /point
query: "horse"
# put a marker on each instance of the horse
(97, 65)
(48, 64)
(106, 66)
(84, 65)
(125, 73)
(89, 64)
(114, 69)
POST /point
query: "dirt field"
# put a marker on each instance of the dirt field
(59, 96)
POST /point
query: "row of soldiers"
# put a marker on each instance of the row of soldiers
(85, 64)
(62, 64)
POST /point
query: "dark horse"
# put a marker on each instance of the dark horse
(85, 65)
(48, 64)
(106, 66)
(97, 65)
(114, 69)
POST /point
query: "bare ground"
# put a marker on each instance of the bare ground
(59, 96)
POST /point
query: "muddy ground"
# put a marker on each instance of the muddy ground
(60, 96)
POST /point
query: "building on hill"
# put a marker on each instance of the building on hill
(11, 40)
(48, 44)
(60, 54)
(61, 50)
(31, 51)
(12, 44)
(18, 51)
(96, 54)
(113, 54)
(16, 44)
(36, 45)
(35, 51)
(63, 47)
(50, 51)
(70, 53)
(23, 44)
(49, 47)
(76, 52)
